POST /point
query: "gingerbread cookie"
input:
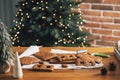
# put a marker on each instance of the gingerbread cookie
(66, 57)
(29, 60)
(45, 55)
(63, 59)
(97, 59)
(87, 60)
(43, 67)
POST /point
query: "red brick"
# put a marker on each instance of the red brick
(116, 33)
(92, 1)
(91, 12)
(88, 18)
(117, 21)
(111, 1)
(111, 14)
(105, 43)
(85, 6)
(101, 19)
(91, 24)
(102, 7)
(93, 37)
(110, 26)
(102, 31)
(98, 19)
(110, 38)
(117, 8)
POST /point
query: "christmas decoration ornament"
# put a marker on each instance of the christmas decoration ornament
(103, 71)
(6, 53)
(49, 23)
(112, 66)
(17, 70)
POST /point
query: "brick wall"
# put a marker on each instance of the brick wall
(102, 21)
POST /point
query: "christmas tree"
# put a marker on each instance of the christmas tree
(49, 23)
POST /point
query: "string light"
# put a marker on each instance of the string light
(26, 3)
(16, 22)
(16, 15)
(70, 5)
(78, 22)
(20, 9)
(55, 20)
(81, 22)
(54, 14)
(55, 43)
(70, 15)
(26, 14)
(33, 8)
(41, 1)
(65, 27)
(14, 28)
(37, 3)
(18, 32)
(51, 24)
(61, 7)
(73, 42)
(39, 7)
(18, 12)
(72, 33)
(69, 18)
(37, 40)
(58, 0)
(13, 20)
(18, 41)
(42, 9)
(20, 23)
(68, 33)
(46, 7)
(12, 43)
(23, 4)
(64, 42)
(68, 24)
(43, 17)
(78, 38)
(21, 14)
(46, 2)
(32, 1)
(60, 16)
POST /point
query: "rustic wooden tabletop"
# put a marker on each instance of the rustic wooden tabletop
(76, 74)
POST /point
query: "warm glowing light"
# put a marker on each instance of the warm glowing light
(46, 2)
(51, 24)
(23, 4)
(42, 9)
(37, 3)
(20, 9)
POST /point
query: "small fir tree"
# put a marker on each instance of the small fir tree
(6, 53)
(49, 23)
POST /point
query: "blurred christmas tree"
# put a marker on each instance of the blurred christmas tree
(49, 23)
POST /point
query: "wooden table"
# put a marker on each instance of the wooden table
(81, 74)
